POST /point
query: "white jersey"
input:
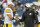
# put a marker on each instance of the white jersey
(7, 19)
(39, 15)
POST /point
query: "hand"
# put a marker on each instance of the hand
(17, 19)
(20, 23)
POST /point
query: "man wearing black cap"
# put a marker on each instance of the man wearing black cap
(28, 17)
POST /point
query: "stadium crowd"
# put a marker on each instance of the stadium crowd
(18, 9)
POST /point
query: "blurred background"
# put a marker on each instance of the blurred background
(18, 10)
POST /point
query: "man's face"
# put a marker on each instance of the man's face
(10, 6)
(27, 9)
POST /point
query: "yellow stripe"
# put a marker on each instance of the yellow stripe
(38, 25)
(4, 25)
(38, 0)
(9, 25)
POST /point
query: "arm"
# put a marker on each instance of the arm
(23, 18)
(12, 17)
(9, 15)
(35, 17)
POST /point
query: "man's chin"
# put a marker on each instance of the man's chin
(28, 10)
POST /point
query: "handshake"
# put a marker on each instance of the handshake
(16, 19)
(12, 17)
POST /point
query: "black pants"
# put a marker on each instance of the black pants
(28, 25)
